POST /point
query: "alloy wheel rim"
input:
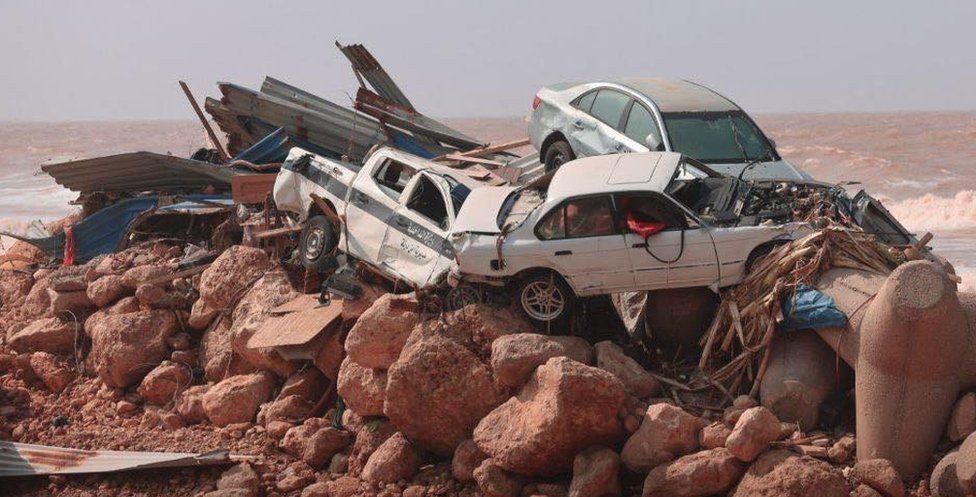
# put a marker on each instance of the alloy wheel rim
(542, 300)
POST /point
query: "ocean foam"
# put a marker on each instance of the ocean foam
(934, 213)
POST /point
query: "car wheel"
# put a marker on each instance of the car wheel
(317, 244)
(547, 301)
(558, 154)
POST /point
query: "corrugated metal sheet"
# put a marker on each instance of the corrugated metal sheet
(139, 171)
(419, 124)
(367, 67)
(17, 459)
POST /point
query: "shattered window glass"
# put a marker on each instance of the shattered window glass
(609, 106)
(392, 177)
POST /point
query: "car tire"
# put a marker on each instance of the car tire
(316, 246)
(558, 154)
(547, 301)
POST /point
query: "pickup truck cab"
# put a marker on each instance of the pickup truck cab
(394, 212)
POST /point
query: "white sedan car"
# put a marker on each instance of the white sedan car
(608, 224)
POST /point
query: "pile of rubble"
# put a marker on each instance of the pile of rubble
(468, 402)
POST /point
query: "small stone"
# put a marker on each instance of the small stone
(394, 460)
(495, 481)
(323, 445)
(241, 476)
(880, 475)
(709, 472)
(753, 432)
(714, 435)
(596, 473)
(666, 433)
(963, 419)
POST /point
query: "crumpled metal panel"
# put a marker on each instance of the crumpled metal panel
(18, 459)
(367, 67)
(139, 171)
(419, 124)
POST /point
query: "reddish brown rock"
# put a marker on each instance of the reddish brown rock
(865, 491)
(377, 338)
(236, 269)
(55, 374)
(345, 486)
(781, 473)
(714, 435)
(565, 407)
(467, 457)
(296, 438)
(330, 355)
(150, 295)
(596, 473)
(37, 303)
(752, 433)
(217, 355)
(369, 436)
(396, 459)
(666, 433)
(139, 275)
(237, 399)
(69, 279)
(709, 472)
(127, 346)
(272, 290)
(944, 481)
(290, 408)
(493, 481)
(241, 477)
(325, 444)
(963, 419)
(67, 304)
(54, 335)
(189, 405)
(638, 382)
(514, 357)
(201, 315)
(106, 290)
(308, 384)
(880, 475)
(361, 388)
(441, 377)
(162, 385)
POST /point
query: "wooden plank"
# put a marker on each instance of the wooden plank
(203, 120)
(287, 230)
(474, 160)
(477, 152)
(297, 328)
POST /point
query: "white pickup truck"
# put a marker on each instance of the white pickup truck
(397, 211)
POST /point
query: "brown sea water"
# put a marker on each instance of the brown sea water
(920, 164)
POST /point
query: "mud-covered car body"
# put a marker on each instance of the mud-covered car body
(395, 210)
(612, 117)
(503, 234)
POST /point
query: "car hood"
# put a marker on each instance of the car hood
(780, 169)
(479, 214)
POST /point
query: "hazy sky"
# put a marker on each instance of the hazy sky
(118, 60)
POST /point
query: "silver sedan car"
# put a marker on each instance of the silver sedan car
(573, 120)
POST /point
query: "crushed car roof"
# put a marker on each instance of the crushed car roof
(675, 95)
(611, 173)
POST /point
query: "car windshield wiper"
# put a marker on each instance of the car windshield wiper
(766, 155)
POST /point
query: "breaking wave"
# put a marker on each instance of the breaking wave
(935, 213)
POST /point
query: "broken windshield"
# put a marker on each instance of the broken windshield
(715, 137)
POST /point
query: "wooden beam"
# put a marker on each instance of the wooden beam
(206, 125)
(475, 160)
(477, 152)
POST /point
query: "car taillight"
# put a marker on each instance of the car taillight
(535, 102)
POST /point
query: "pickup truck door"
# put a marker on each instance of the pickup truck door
(372, 202)
(416, 247)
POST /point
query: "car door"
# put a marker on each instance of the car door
(416, 246)
(372, 202)
(581, 239)
(681, 254)
(594, 131)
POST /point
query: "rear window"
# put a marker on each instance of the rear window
(609, 106)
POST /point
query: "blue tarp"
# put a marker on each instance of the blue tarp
(274, 148)
(810, 309)
(102, 232)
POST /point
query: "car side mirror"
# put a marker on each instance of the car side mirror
(653, 144)
(772, 143)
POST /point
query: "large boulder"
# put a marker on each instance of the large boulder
(709, 472)
(637, 380)
(667, 432)
(514, 357)
(162, 385)
(396, 459)
(217, 356)
(596, 473)
(329, 357)
(753, 431)
(324, 444)
(236, 269)
(369, 437)
(237, 399)
(479, 325)
(189, 405)
(139, 275)
(127, 346)
(106, 290)
(37, 303)
(54, 335)
(308, 384)
(377, 338)
(270, 291)
(362, 389)
(565, 407)
(880, 475)
(781, 473)
(70, 303)
(445, 381)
